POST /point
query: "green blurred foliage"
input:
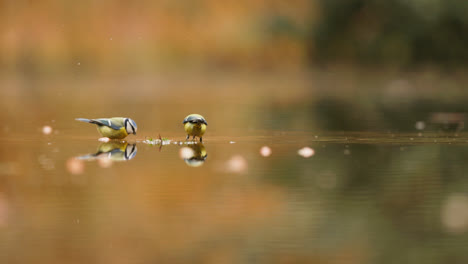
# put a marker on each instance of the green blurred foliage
(398, 32)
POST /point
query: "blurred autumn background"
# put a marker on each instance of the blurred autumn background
(375, 91)
(387, 55)
(109, 36)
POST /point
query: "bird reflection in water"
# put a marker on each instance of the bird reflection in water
(194, 155)
(113, 151)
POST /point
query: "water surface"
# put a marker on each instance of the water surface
(383, 181)
(360, 198)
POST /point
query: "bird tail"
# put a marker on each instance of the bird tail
(84, 120)
(86, 157)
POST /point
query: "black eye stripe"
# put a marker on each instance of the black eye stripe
(127, 122)
(133, 147)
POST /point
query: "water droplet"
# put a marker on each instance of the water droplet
(420, 125)
(265, 151)
(306, 152)
(75, 166)
(46, 130)
(455, 213)
(237, 164)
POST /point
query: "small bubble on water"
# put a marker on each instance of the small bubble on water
(232, 142)
(265, 151)
(420, 125)
(46, 130)
(78, 63)
(454, 213)
(306, 152)
(75, 166)
(237, 164)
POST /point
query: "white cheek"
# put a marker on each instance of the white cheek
(130, 152)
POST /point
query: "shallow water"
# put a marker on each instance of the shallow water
(360, 198)
(374, 187)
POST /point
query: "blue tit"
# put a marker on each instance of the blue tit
(197, 156)
(195, 125)
(115, 151)
(113, 128)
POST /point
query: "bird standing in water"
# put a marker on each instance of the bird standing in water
(195, 125)
(113, 128)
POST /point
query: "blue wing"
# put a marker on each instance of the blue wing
(100, 122)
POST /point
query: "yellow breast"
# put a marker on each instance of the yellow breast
(195, 129)
(106, 131)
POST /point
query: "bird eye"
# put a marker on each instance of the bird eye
(130, 152)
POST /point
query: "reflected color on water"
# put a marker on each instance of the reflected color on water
(350, 202)
(283, 175)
